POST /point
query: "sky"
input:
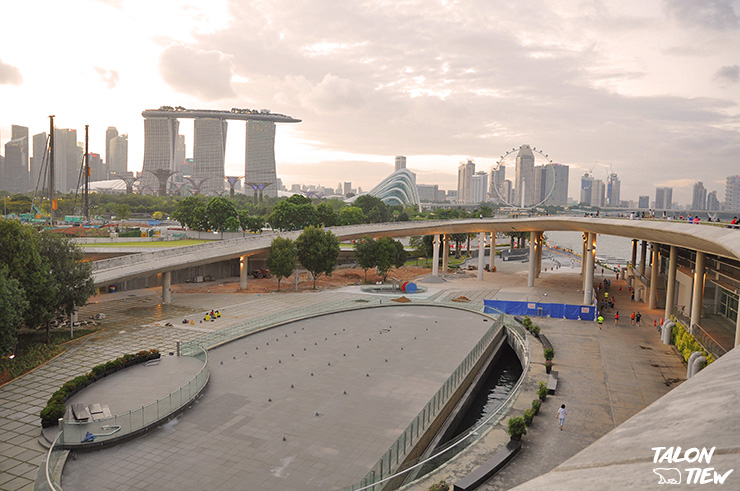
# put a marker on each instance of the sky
(648, 89)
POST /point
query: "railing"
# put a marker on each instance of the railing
(708, 342)
(416, 468)
(137, 419)
(55, 453)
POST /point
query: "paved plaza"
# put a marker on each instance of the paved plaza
(607, 375)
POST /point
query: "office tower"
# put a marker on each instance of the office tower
(712, 201)
(643, 202)
(732, 193)
(400, 162)
(180, 150)
(598, 193)
(209, 153)
(508, 190)
(663, 198)
(452, 195)
(496, 187)
(16, 179)
(346, 188)
(427, 192)
(479, 187)
(40, 155)
(67, 159)
(613, 190)
(118, 157)
(699, 197)
(587, 184)
(110, 134)
(160, 141)
(187, 168)
(524, 185)
(465, 173)
(259, 167)
(555, 189)
(98, 170)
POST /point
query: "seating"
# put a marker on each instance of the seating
(489, 468)
(552, 382)
(80, 412)
(545, 342)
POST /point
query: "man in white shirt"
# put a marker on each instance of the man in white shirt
(561, 416)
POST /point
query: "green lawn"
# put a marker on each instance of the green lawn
(166, 243)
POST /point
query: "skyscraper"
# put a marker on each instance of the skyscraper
(259, 167)
(110, 134)
(16, 179)
(465, 173)
(524, 185)
(613, 190)
(400, 162)
(712, 201)
(556, 184)
(699, 197)
(118, 156)
(663, 198)
(40, 154)
(643, 202)
(479, 187)
(180, 152)
(497, 186)
(587, 182)
(209, 152)
(160, 139)
(732, 193)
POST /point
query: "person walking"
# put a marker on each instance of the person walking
(561, 416)
(616, 318)
(632, 318)
(638, 316)
(600, 320)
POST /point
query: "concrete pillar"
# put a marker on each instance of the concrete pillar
(583, 260)
(445, 252)
(665, 333)
(643, 257)
(532, 259)
(588, 290)
(435, 255)
(653, 299)
(634, 253)
(166, 293)
(698, 290)
(538, 250)
(481, 254)
(492, 258)
(243, 272)
(670, 291)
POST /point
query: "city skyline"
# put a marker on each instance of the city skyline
(648, 90)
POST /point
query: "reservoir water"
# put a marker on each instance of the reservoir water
(610, 249)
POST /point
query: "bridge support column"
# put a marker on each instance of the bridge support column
(492, 257)
(588, 275)
(243, 272)
(643, 256)
(653, 299)
(634, 254)
(698, 291)
(532, 259)
(583, 260)
(671, 287)
(435, 255)
(539, 245)
(445, 252)
(481, 254)
(166, 283)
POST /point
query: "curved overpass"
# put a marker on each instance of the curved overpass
(717, 241)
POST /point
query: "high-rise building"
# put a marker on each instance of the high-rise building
(497, 187)
(40, 155)
(160, 141)
(110, 134)
(180, 150)
(259, 167)
(428, 192)
(347, 188)
(732, 193)
(16, 178)
(479, 187)
(118, 156)
(598, 193)
(551, 184)
(400, 162)
(699, 197)
(209, 153)
(643, 202)
(524, 184)
(98, 169)
(587, 182)
(663, 198)
(465, 173)
(613, 190)
(712, 201)
(67, 159)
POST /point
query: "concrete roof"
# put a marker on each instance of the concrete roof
(718, 241)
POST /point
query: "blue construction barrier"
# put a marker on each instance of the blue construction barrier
(539, 309)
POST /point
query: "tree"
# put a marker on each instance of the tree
(299, 199)
(253, 224)
(389, 253)
(12, 305)
(317, 251)
(190, 212)
(282, 257)
(326, 215)
(218, 211)
(282, 215)
(423, 245)
(351, 215)
(122, 211)
(232, 224)
(458, 239)
(374, 209)
(71, 277)
(365, 253)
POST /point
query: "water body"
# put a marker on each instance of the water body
(495, 390)
(610, 249)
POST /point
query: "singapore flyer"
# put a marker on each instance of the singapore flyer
(534, 179)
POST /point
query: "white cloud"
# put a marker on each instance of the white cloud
(200, 73)
(10, 74)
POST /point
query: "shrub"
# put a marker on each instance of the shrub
(51, 414)
(549, 354)
(536, 404)
(542, 391)
(517, 427)
(527, 322)
(439, 486)
(528, 416)
(686, 344)
(535, 330)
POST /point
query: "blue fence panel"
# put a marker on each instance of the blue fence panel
(535, 309)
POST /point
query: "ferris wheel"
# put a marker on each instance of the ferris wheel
(540, 158)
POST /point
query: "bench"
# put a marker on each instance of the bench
(80, 412)
(552, 382)
(99, 411)
(489, 468)
(545, 342)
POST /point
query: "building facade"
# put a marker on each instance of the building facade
(613, 191)
(732, 193)
(524, 183)
(479, 187)
(465, 173)
(209, 154)
(400, 162)
(699, 197)
(160, 141)
(663, 198)
(259, 168)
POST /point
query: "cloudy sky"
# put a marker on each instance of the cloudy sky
(647, 88)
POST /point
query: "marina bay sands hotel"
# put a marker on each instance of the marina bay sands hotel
(161, 133)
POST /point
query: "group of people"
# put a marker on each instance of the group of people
(208, 317)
